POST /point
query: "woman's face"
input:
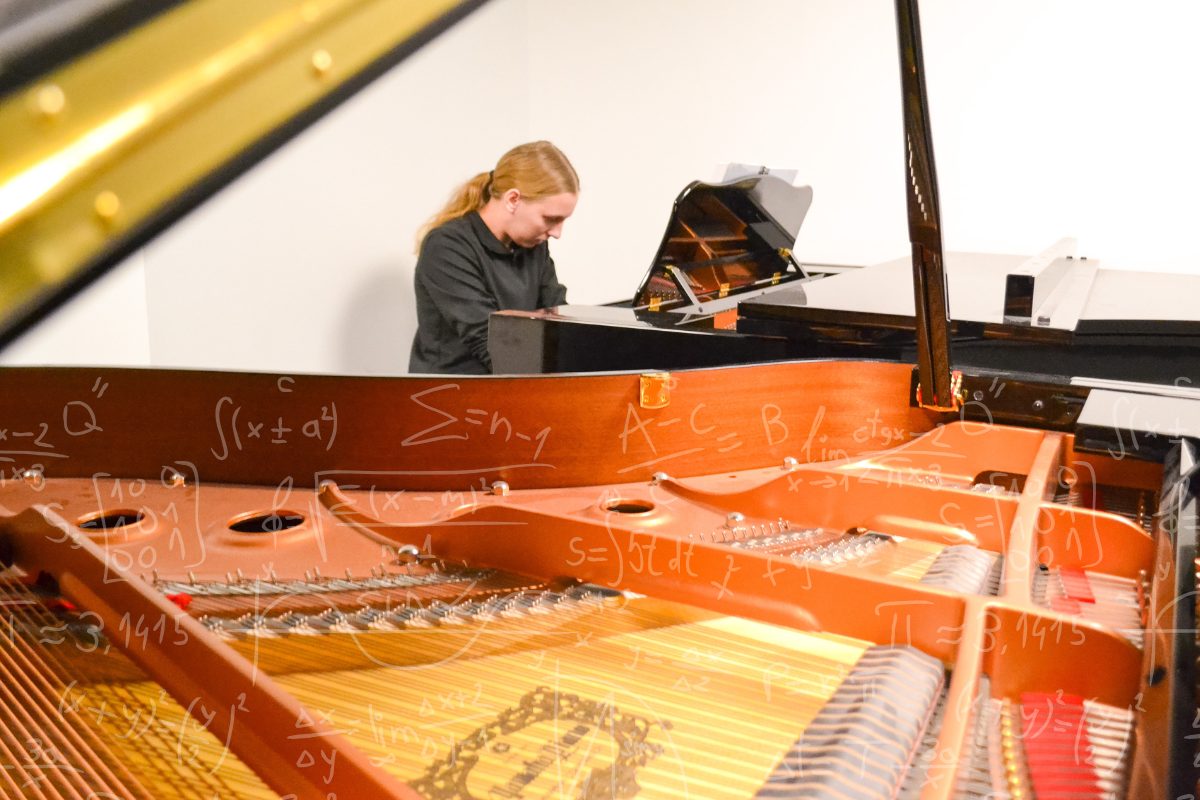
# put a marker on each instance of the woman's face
(534, 221)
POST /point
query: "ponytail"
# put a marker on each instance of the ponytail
(536, 169)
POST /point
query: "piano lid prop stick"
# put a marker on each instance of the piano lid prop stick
(932, 306)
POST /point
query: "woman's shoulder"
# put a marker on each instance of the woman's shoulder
(453, 235)
(457, 228)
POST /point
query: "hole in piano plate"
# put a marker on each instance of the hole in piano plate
(630, 506)
(266, 522)
(106, 521)
(996, 480)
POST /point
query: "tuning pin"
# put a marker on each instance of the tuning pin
(349, 577)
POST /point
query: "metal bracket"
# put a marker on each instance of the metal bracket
(1036, 401)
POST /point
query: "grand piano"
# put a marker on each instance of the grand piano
(821, 578)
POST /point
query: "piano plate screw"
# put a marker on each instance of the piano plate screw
(1038, 405)
(33, 478)
(321, 62)
(177, 480)
(49, 101)
(733, 518)
(500, 488)
(107, 206)
(659, 477)
(790, 464)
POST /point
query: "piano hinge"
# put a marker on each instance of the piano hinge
(724, 292)
(957, 396)
(654, 389)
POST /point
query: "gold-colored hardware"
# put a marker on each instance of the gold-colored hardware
(107, 206)
(310, 11)
(49, 100)
(321, 62)
(655, 389)
(655, 302)
(1010, 760)
(958, 395)
(724, 290)
(775, 278)
(784, 253)
(161, 108)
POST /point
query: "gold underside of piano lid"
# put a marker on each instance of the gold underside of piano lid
(97, 148)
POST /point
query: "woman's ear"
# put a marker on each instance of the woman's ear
(511, 199)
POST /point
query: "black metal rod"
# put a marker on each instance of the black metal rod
(924, 218)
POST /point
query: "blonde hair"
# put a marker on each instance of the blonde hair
(536, 169)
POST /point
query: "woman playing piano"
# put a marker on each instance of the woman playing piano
(486, 251)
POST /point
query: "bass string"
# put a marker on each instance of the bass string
(187, 760)
(44, 667)
(33, 670)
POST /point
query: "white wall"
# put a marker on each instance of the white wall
(106, 324)
(1051, 118)
(305, 263)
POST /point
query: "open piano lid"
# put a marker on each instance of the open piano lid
(116, 134)
(724, 239)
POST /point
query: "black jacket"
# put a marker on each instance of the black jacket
(464, 274)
